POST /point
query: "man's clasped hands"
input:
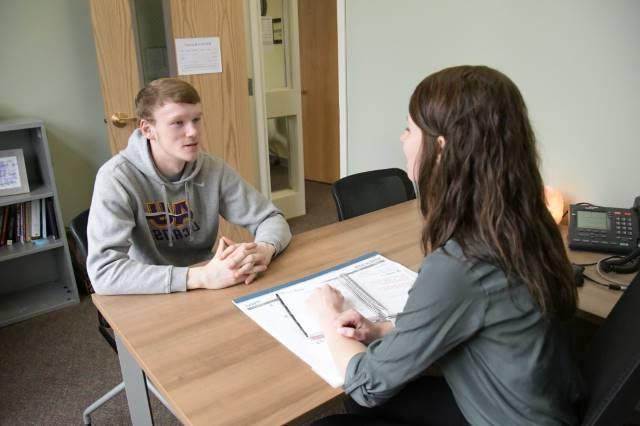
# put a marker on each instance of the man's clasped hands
(233, 263)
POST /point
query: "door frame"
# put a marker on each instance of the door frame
(259, 103)
(290, 201)
(259, 99)
(342, 84)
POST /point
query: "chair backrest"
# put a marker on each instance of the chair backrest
(78, 228)
(365, 192)
(612, 363)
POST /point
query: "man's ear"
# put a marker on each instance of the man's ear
(147, 129)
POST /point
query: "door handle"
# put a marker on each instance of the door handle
(120, 119)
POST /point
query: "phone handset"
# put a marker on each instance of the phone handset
(631, 262)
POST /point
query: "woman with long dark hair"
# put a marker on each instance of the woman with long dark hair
(494, 294)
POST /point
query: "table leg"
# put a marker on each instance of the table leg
(135, 385)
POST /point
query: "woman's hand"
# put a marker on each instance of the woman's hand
(353, 325)
(325, 303)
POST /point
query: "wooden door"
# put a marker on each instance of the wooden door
(225, 95)
(319, 80)
(118, 65)
(225, 98)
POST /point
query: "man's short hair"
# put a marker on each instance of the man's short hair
(162, 90)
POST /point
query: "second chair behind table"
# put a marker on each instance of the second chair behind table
(78, 228)
(365, 192)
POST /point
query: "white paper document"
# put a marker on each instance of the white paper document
(267, 30)
(372, 284)
(199, 55)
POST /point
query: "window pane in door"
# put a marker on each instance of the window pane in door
(274, 46)
(152, 40)
(282, 137)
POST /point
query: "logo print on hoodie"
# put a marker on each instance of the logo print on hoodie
(181, 222)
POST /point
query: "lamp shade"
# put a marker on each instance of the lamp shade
(555, 202)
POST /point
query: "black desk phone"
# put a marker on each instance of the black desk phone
(604, 229)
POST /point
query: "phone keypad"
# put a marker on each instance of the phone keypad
(623, 228)
(623, 225)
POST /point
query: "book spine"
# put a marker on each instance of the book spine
(18, 235)
(23, 209)
(27, 222)
(5, 225)
(35, 219)
(43, 220)
(51, 218)
(1, 224)
(11, 229)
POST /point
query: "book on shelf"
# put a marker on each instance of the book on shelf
(35, 219)
(52, 225)
(27, 222)
(371, 284)
(11, 229)
(43, 220)
(21, 223)
(18, 231)
(5, 226)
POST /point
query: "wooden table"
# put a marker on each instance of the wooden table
(214, 365)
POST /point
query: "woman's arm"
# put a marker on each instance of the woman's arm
(445, 307)
(326, 304)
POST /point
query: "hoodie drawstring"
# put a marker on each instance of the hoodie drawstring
(188, 197)
(166, 214)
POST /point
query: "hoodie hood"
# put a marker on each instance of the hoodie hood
(138, 152)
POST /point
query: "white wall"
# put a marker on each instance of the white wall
(577, 63)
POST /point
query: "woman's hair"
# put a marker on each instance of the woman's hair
(482, 187)
(157, 92)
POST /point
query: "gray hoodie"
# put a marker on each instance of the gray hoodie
(137, 246)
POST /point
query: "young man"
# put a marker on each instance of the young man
(154, 214)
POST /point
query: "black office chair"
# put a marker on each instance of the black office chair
(365, 192)
(78, 230)
(612, 364)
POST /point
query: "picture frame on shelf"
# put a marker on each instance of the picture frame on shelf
(13, 173)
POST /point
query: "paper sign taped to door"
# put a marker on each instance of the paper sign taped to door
(199, 55)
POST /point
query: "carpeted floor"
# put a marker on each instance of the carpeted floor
(53, 366)
(321, 209)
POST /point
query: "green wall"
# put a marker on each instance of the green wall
(49, 71)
